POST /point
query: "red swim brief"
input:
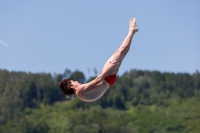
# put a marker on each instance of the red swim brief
(110, 79)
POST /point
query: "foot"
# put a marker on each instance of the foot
(132, 26)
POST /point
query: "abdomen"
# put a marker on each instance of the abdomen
(94, 94)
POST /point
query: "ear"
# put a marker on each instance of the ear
(72, 86)
(71, 83)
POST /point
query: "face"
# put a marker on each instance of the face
(74, 84)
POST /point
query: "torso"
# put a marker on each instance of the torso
(93, 94)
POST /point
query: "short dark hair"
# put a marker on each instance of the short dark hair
(65, 86)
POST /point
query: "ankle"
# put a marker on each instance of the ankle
(133, 30)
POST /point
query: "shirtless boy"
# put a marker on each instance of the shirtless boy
(93, 90)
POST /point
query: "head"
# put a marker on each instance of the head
(68, 86)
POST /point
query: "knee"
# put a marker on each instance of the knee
(124, 49)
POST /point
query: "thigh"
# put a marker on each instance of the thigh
(114, 58)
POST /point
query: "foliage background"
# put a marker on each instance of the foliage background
(139, 102)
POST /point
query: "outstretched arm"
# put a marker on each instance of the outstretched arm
(99, 79)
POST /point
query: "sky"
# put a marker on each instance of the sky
(50, 36)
